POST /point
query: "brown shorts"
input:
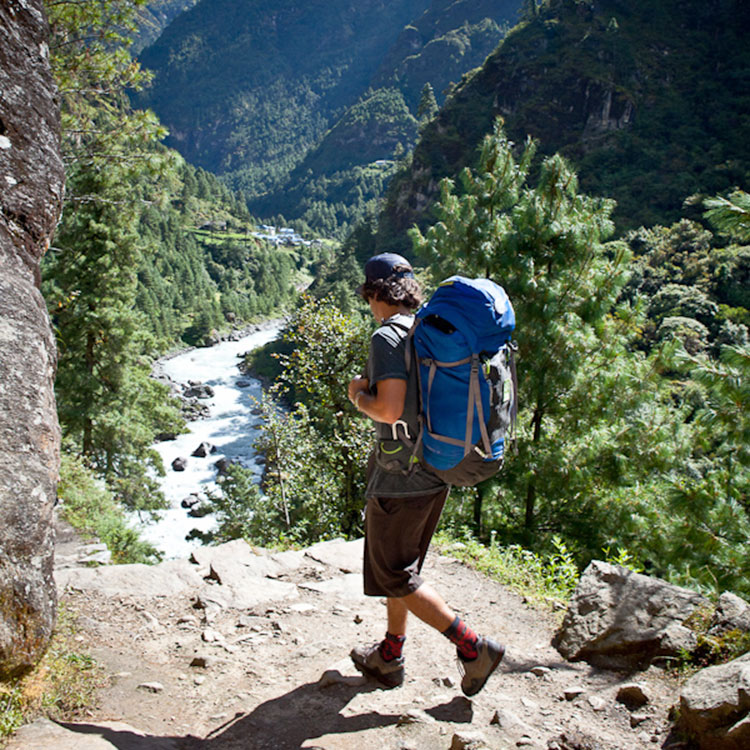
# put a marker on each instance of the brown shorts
(398, 531)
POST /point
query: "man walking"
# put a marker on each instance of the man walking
(404, 501)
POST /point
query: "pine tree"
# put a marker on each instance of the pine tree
(581, 391)
(109, 407)
(428, 106)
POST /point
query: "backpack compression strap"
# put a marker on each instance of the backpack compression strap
(474, 401)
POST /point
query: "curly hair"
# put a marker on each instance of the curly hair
(395, 290)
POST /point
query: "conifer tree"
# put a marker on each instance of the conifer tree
(428, 106)
(109, 407)
(581, 391)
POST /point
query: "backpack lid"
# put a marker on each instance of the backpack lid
(479, 308)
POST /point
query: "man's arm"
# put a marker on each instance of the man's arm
(385, 406)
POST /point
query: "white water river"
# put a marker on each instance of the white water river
(230, 427)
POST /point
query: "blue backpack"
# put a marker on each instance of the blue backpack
(467, 379)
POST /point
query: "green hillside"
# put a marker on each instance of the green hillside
(648, 98)
(252, 85)
(283, 102)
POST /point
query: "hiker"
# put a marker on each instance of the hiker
(404, 501)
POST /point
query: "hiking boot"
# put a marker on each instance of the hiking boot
(369, 661)
(476, 671)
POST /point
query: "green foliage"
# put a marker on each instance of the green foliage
(592, 420)
(109, 407)
(545, 579)
(637, 96)
(428, 107)
(695, 288)
(316, 451)
(284, 92)
(711, 648)
(240, 511)
(710, 502)
(730, 215)
(89, 507)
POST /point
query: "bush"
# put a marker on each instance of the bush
(88, 506)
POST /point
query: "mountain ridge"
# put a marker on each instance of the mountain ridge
(638, 95)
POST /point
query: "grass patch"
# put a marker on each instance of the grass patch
(546, 580)
(61, 687)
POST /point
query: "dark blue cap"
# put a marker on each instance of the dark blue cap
(381, 267)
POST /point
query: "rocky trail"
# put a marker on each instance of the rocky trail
(242, 649)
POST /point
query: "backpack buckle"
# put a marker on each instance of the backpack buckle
(394, 429)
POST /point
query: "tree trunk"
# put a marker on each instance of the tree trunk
(478, 501)
(531, 489)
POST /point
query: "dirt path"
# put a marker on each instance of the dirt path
(261, 685)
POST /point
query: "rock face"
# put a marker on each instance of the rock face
(618, 619)
(31, 190)
(715, 706)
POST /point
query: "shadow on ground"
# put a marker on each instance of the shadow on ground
(283, 723)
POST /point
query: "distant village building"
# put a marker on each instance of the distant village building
(214, 226)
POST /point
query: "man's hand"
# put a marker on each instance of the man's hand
(358, 385)
(387, 406)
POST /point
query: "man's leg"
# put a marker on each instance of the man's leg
(426, 604)
(398, 614)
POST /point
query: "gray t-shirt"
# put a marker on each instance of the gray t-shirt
(391, 471)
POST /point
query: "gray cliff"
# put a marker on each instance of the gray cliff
(31, 190)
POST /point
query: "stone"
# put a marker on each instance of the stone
(163, 580)
(201, 662)
(223, 464)
(151, 687)
(347, 586)
(30, 203)
(198, 390)
(346, 556)
(541, 671)
(415, 716)
(468, 741)
(190, 501)
(179, 464)
(633, 695)
(715, 706)
(232, 562)
(573, 692)
(597, 702)
(505, 719)
(732, 613)
(337, 675)
(619, 619)
(203, 450)
(576, 740)
(245, 593)
(243, 383)
(209, 635)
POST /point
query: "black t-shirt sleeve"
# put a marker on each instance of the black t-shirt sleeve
(386, 357)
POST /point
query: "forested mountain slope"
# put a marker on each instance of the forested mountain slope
(155, 17)
(341, 178)
(326, 88)
(650, 99)
(255, 82)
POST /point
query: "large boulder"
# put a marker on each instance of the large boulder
(715, 706)
(31, 190)
(618, 619)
